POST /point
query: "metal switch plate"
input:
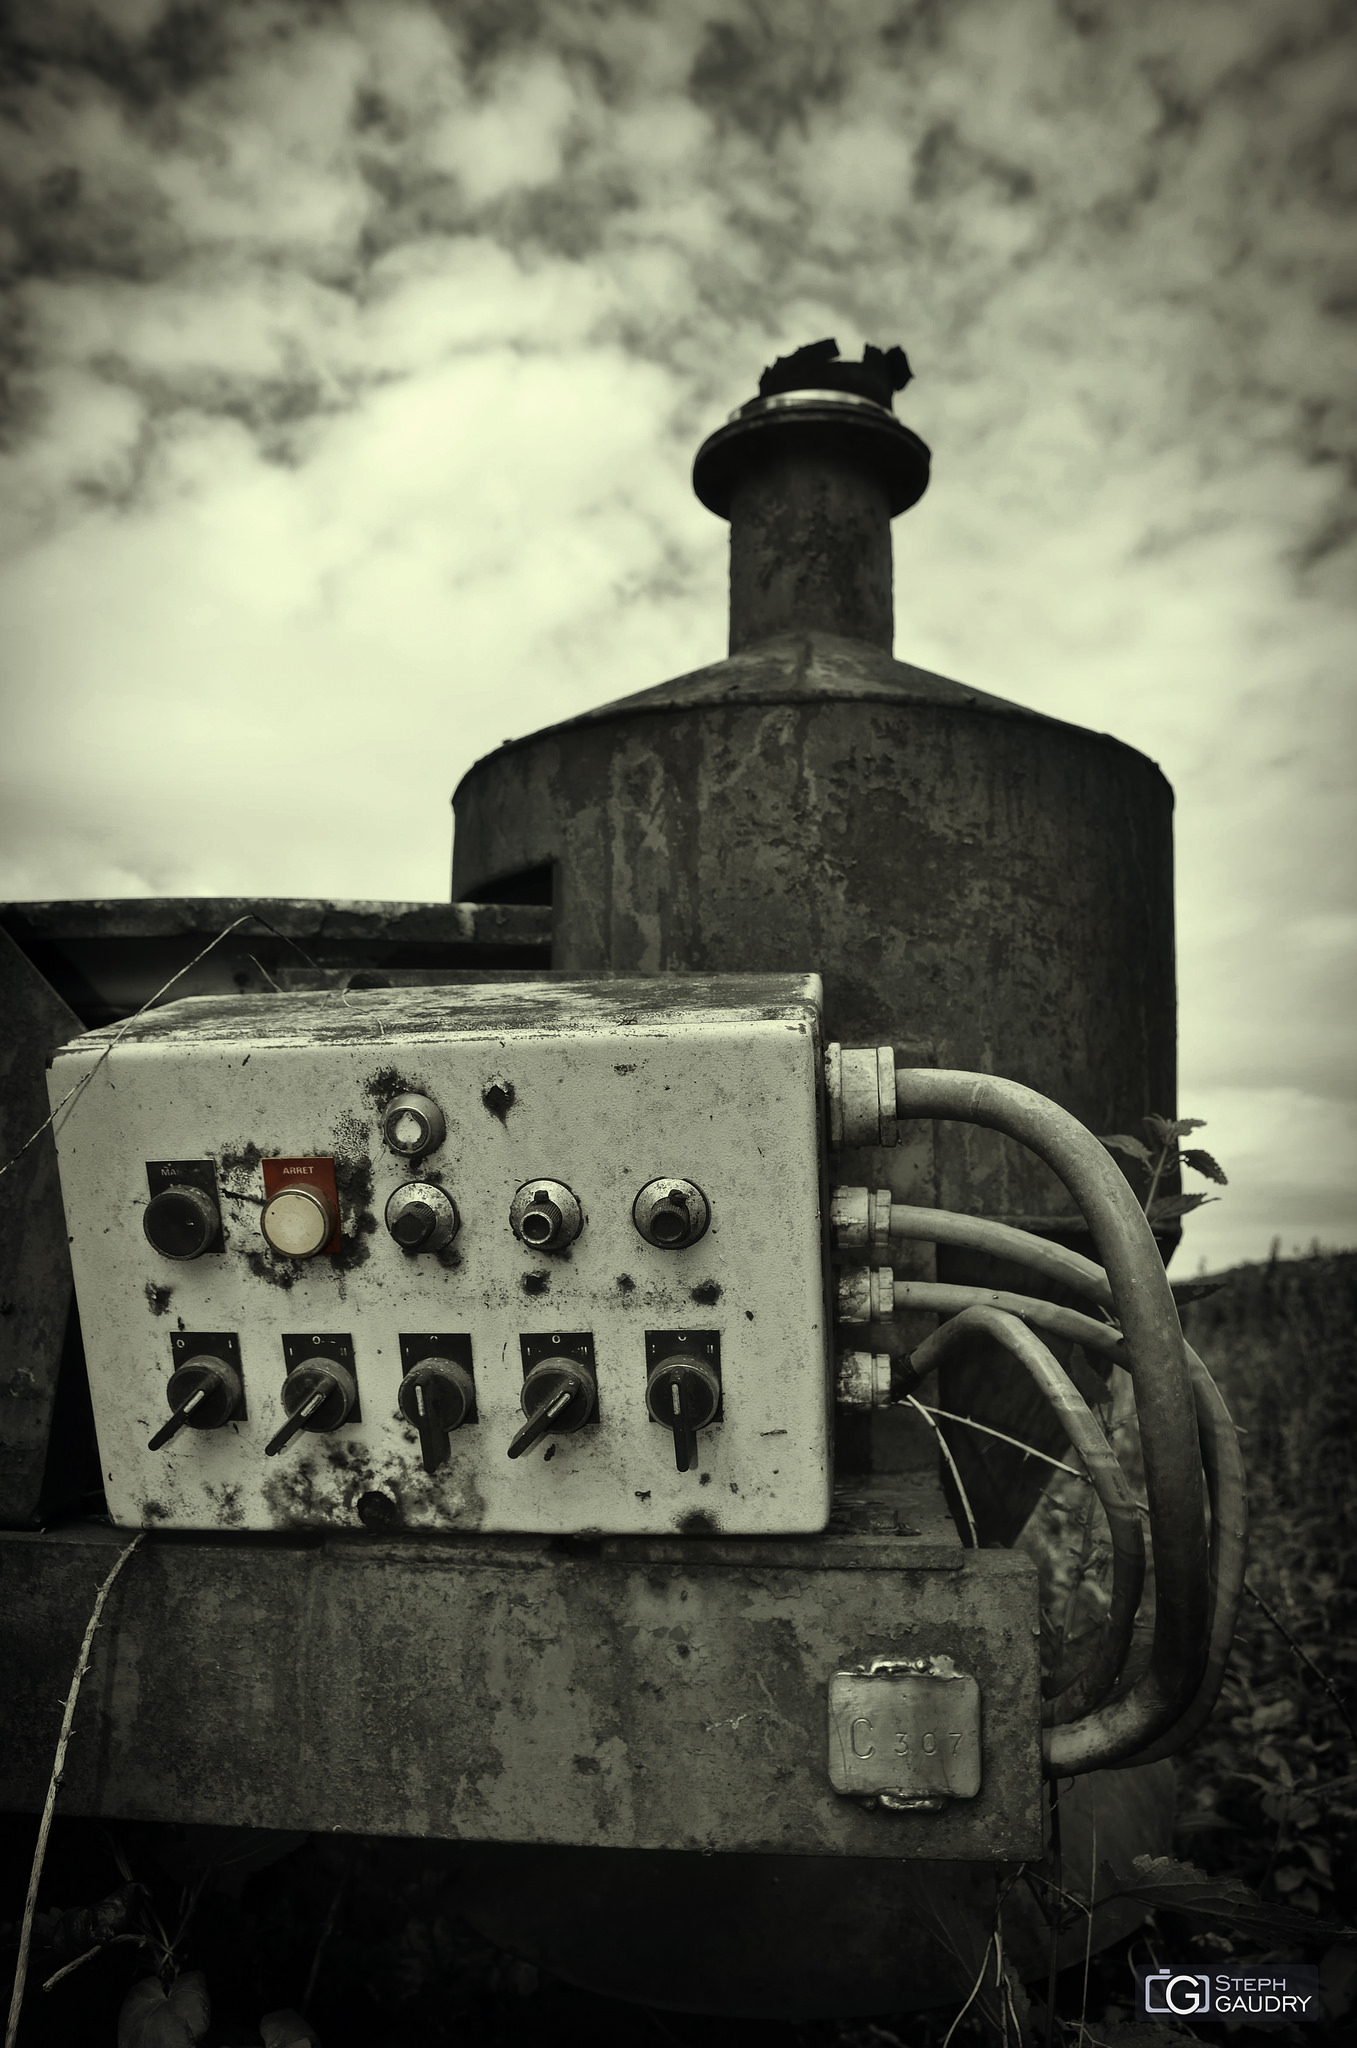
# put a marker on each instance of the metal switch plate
(603, 1086)
(905, 1733)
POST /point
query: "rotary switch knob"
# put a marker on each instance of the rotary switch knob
(671, 1214)
(181, 1222)
(545, 1215)
(204, 1393)
(318, 1396)
(421, 1217)
(684, 1394)
(299, 1221)
(559, 1397)
(437, 1396)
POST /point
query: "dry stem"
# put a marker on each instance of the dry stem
(53, 1787)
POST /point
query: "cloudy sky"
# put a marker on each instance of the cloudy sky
(356, 355)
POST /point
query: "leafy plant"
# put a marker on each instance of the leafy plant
(153, 2017)
(1164, 1156)
(1173, 1886)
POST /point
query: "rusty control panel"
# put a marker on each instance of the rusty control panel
(546, 1258)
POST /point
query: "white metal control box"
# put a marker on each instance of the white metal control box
(255, 1113)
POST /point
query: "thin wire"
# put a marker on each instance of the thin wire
(1309, 1662)
(1053, 1958)
(124, 1027)
(265, 972)
(85, 1079)
(53, 1787)
(961, 1491)
(1088, 1932)
(985, 1430)
(326, 1931)
(979, 1980)
(90, 1954)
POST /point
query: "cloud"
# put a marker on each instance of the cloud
(1289, 1161)
(356, 354)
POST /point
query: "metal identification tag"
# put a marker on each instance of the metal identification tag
(905, 1733)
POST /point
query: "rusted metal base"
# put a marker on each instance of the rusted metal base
(632, 1693)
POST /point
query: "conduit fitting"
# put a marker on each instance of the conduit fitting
(862, 1379)
(865, 1294)
(860, 1220)
(860, 1088)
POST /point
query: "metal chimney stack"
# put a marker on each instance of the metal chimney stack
(810, 474)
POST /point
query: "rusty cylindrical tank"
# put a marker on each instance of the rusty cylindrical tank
(980, 886)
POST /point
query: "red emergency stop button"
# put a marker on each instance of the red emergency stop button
(301, 1209)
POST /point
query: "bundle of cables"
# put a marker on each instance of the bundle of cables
(1133, 1702)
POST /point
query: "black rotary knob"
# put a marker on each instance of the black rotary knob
(559, 1397)
(414, 1226)
(436, 1396)
(318, 1396)
(421, 1217)
(684, 1394)
(204, 1393)
(181, 1222)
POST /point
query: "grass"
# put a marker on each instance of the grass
(1269, 1791)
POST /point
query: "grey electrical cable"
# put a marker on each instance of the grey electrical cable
(944, 1298)
(1227, 1482)
(1003, 1241)
(1227, 1485)
(1169, 1441)
(1109, 1481)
